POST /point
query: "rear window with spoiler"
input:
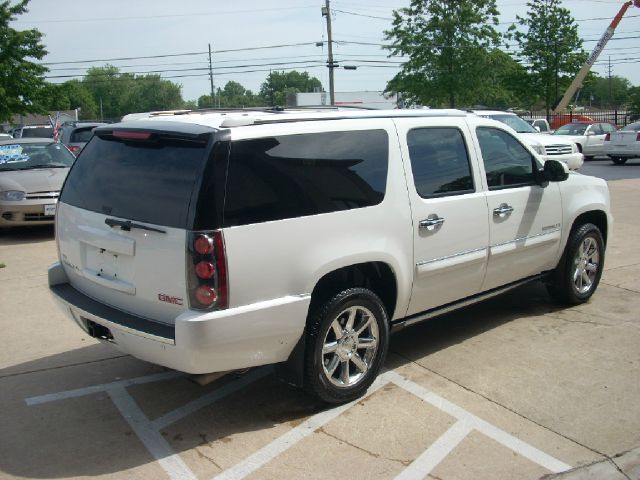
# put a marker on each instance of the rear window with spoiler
(141, 174)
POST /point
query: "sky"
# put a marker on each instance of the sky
(249, 37)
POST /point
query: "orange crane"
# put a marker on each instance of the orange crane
(606, 36)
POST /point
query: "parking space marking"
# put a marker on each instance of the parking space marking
(437, 452)
(149, 431)
(287, 440)
(211, 397)
(476, 423)
(170, 461)
(81, 392)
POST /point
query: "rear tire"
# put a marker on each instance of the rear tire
(347, 342)
(618, 160)
(588, 158)
(578, 273)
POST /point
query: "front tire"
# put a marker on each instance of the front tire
(577, 276)
(347, 342)
(618, 160)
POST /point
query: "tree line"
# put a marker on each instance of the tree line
(455, 57)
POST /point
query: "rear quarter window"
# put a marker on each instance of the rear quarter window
(290, 176)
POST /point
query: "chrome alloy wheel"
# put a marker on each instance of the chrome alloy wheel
(349, 346)
(586, 263)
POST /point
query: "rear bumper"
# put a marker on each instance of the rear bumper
(622, 151)
(573, 160)
(241, 337)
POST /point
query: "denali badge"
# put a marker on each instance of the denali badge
(169, 299)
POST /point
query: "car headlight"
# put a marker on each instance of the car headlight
(539, 149)
(13, 195)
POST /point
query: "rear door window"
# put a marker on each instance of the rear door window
(439, 162)
(144, 181)
(290, 176)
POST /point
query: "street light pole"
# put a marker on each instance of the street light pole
(326, 11)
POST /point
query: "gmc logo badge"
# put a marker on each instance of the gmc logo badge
(169, 299)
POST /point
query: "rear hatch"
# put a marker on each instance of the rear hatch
(623, 138)
(125, 212)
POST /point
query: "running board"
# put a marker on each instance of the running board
(449, 307)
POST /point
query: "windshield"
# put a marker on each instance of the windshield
(26, 156)
(632, 127)
(572, 129)
(515, 122)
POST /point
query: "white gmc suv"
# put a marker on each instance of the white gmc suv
(210, 242)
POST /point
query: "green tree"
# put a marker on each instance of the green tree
(151, 93)
(69, 96)
(634, 103)
(278, 85)
(21, 80)
(548, 40)
(605, 92)
(447, 42)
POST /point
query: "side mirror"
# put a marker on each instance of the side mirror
(590, 133)
(537, 128)
(555, 171)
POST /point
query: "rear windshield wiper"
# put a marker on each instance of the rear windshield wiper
(127, 225)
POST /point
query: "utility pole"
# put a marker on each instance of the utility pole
(610, 89)
(326, 12)
(213, 100)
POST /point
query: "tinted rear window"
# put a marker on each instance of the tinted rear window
(146, 182)
(292, 176)
(80, 135)
(44, 132)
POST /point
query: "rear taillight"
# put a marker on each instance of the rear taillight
(638, 137)
(207, 270)
(607, 137)
(74, 149)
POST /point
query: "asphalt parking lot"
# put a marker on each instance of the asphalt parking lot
(515, 387)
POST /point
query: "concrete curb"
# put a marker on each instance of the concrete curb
(624, 466)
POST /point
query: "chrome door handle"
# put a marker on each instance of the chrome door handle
(431, 222)
(503, 210)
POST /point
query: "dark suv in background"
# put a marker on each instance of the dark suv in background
(75, 135)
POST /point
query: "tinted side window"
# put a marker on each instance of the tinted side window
(506, 162)
(439, 162)
(542, 125)
(292, 176)
(608, 128)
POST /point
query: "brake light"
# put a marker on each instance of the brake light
(74, 149)
(607, 137)
(207, 270)
(638, 137)
(131, 135)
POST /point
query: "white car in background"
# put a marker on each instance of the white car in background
(547, 146)
(624, 144)
(589, 136)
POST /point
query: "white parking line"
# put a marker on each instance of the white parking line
(150, 437)
(509, 441)
(286, 441)
(80, 392)
(437, 452)
(149, 431)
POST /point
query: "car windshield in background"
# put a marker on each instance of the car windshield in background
(515, 122)
(40, 132)
(632, 127)
(28, 156)
(572, 129)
